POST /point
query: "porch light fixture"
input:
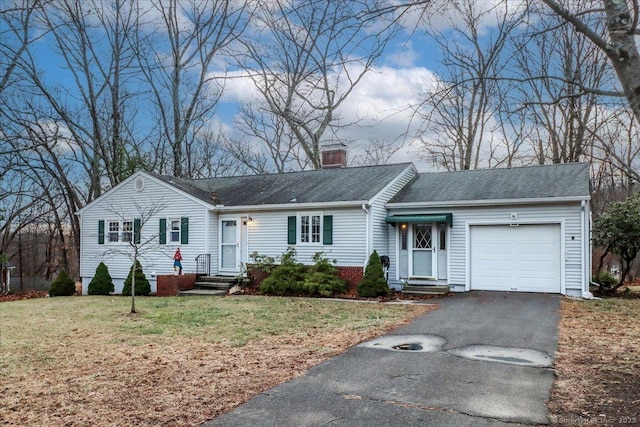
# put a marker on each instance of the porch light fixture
(403, 226)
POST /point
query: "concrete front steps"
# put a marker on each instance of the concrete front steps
(211, 286)
(417, 287)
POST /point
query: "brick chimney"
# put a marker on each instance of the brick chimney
(334, 156)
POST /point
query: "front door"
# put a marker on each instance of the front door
(422, 251)
(229, 250)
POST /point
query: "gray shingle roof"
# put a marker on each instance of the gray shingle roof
(316, 186)
(557, 180)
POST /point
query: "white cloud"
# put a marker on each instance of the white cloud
(441, 15)
(380, 107)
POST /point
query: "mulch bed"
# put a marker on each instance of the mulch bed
(16, 296)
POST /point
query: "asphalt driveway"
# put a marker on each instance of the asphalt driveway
(481, 359)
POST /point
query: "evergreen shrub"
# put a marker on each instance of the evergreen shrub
(322, 278)
(286, 278)
(373, 284)
(101, 284)
(63, 286)
(142, 284)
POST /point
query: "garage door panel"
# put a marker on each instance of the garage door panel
(524, 258)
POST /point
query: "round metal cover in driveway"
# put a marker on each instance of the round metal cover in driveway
(413, 343)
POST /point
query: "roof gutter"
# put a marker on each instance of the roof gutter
(488, 202)
(290, 206)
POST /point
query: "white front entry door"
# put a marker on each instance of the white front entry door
(229, 246)
(422, 250)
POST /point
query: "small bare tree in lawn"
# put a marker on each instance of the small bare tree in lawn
(132, 235)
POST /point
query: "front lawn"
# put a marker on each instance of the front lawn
(179, 361)
(598, 363)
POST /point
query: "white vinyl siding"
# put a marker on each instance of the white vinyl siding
(212, 247)
(155, 258)
(464, 217)
(380, 230)
(267, 235)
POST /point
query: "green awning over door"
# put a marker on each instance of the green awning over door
(446, 218)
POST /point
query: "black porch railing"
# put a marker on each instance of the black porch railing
(203, 264)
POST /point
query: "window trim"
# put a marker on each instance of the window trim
(320, 228)
(109, 232)
(170, 230)
(120, 233)
(165, 230)
(124, 232)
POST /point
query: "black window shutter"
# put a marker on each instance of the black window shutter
(101, 232)
(291, 230)
(184, 230)
(327, 230)
(137, 225)
(162, 234)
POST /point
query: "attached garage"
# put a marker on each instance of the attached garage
(521, 229)
(525, 258)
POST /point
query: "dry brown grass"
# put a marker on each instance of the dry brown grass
(598, 363)
(84, 361)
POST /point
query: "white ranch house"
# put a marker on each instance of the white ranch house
(521, 229)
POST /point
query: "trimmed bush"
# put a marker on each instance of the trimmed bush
(322, 278)
(101, 284)
(373, 283)
(293, 278)
(142, 284)
(325, 285)
(63, 286)
(286, 278)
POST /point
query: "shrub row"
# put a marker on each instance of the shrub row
(102, 283)
(293, 278)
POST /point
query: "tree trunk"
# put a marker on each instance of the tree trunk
(623, 50)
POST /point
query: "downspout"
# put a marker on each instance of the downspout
(367, 234)
(80, 258)
(586, 253)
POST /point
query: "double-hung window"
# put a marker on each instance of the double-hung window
(310, 226)
(113, 236)
(119, 231)
(174, 230)
(127, 231)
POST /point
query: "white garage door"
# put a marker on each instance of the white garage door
(524, 258)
